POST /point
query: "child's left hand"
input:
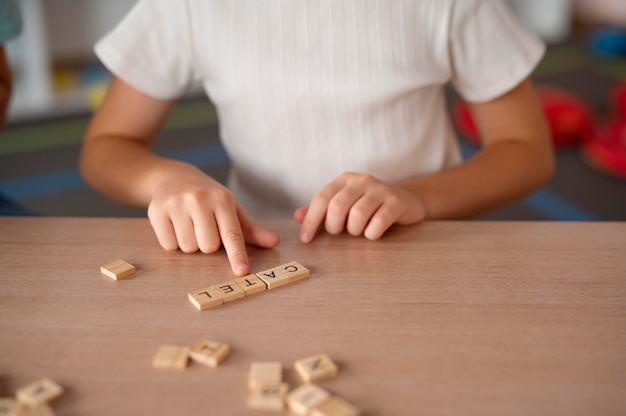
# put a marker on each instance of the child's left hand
(360, 204)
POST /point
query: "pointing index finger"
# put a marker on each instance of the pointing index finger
(234, 241)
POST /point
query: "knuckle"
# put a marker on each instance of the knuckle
(232, 235)
(169, 245)
(336, 206)
(188, 247)
(382, 220)
(196, 197)
(223, 196)
(210, 247)
(358, 215)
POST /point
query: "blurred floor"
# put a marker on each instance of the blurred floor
(38, 161)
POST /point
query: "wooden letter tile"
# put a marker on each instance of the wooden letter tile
(251, 284)
(10, 407)
(295, 271)
(171, 356)
(210, 353)
(304, 398)
(268, 397)
(230, 291)
(206, 298)
(274, 278)
(117, 269)
(39, 392)
(263, 373)
(316, 368)
(335, 406)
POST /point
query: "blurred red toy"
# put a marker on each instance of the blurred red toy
(618, 101)
(607, 150)
(570, 119)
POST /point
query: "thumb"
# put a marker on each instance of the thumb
(300, 213)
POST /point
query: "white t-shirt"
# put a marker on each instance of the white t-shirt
(306, 90)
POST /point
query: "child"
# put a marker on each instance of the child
(330, 111)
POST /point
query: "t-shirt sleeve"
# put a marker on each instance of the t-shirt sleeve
(491, 52)
(150, 48)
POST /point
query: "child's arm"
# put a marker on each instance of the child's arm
(187, 209)
(516, 158)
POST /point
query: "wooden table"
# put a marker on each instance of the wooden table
(444, 318)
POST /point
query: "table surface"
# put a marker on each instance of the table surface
(443, 318)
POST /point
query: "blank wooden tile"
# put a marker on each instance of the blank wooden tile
(295, 271)
(274, 278)
(305, 397)
(10, 407)
(206, 298)
(251, 284)
(268, 397)
(210, 353)
(335, 406)
(171, 356)
(230, 291)
(117, 269)
(264, 373)
(39, 392)
(315, 368)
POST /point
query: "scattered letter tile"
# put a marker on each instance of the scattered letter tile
(316, 368)
(39, 392)
(335, 406)
(210, 353)
(118, 269)
(262, 373)
(304, 398)
(10, 407)
(268, 397)
(171, 356)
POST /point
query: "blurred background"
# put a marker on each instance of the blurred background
(59, 82)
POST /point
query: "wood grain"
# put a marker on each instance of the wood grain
(476, 318)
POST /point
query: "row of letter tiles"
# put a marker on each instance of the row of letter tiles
(248, 285)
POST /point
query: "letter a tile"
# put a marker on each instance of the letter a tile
(274, 278)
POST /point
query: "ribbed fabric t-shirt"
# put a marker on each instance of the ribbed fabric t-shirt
(306, 90)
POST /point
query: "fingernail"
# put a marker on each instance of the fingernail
(305, 237)
(241, 269)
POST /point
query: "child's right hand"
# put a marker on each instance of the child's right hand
(191, 211)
